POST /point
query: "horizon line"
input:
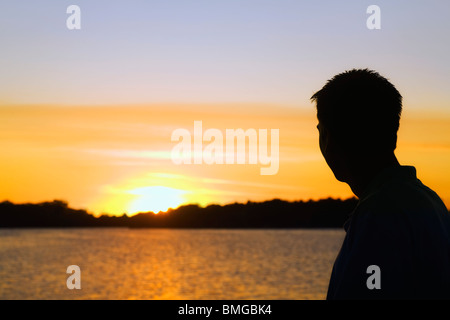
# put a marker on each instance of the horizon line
(181, 205)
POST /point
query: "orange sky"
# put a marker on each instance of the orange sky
(118, 159)
(86, 115)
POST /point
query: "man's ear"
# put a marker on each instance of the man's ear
(323, 138)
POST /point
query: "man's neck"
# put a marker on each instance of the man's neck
(362, 174)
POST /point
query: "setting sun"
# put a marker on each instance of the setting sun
(156, 199)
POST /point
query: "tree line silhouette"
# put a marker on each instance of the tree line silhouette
(325, 213)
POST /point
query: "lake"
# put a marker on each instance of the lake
(122, 263)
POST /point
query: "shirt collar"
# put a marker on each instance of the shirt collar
(388, 174)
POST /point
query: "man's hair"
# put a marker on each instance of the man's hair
(361, 109)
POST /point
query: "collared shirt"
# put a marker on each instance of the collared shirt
(397, 243)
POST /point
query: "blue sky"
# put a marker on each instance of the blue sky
(217, 51)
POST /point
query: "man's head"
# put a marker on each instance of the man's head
(359, 114)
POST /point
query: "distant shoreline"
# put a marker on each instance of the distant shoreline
(172, 228)
(272, 214)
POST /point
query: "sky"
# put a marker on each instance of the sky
(87, 115)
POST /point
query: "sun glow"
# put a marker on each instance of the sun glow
(156, 199)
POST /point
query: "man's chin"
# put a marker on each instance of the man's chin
(339, 177)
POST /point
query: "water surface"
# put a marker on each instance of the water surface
(126, 263)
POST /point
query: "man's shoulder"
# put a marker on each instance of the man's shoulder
(407, 206)
(403, 196)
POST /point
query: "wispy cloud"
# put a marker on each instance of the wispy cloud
(131, 154)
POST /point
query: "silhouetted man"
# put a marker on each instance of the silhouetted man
(397, 243)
